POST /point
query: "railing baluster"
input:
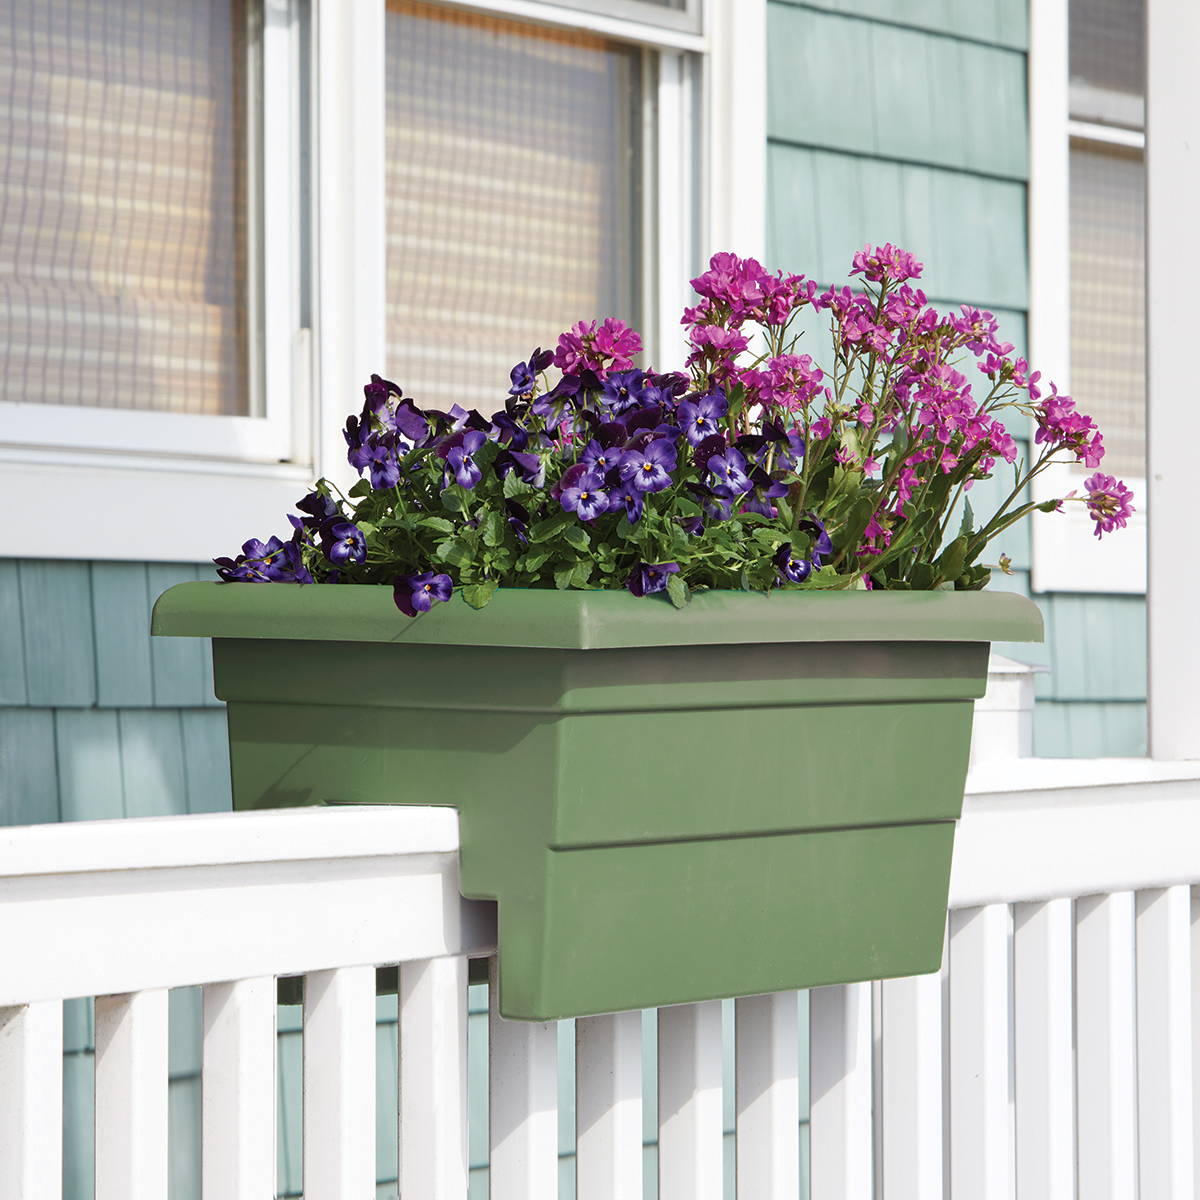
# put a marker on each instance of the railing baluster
(238, 1089)
(911, 1088)
(433, 1079)
(981, 1165)
(1106, 1083)
(768, 1096)
(131, 1096)
(31, 1046)
(608, 1107)
(523, 1108)
(339, 1084)
(1043, 1032)
(840, 1020)
(690, 1125)
(1166, 1155)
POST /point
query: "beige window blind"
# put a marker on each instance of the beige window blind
(123, 272)
(513, 194)
(1107, 184)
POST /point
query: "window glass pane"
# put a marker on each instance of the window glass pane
(513, 195)
(1108, 357)
(1108, 61)
(123, 218)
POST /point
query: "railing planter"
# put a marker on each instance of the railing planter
(752, 794)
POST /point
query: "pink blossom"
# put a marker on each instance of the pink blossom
(821, 429)
(586, 347)
(886, 263)
(1108, 503)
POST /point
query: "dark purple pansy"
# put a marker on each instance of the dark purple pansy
(729, 473)
(599, 459)
(649, 470)
(586, 498)
(792, 567)
(343, 542)
(384, 466)
(648, 578)
(622, 390)
(459, 451)
(629, 501)
(517, 516)
(419, 593)
(699, 418)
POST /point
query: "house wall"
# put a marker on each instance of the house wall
(907, 121)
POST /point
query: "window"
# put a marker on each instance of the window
(514, 193)
(1087, 246)
(131, 301)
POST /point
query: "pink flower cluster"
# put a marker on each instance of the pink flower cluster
(1062, 427)
(886, 264)
(611, 346)
(736, 290)
(1108, 503)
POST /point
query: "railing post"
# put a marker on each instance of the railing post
(31, 1107)
(690, 1133)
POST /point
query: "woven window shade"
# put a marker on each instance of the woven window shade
(1108, 352)
(123, 214)
(513, 195)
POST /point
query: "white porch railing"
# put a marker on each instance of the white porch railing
(1054, 1054)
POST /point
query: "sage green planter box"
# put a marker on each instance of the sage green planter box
(752, 794)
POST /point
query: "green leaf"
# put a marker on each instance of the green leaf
(950, 564)
(437, 524)
(478, 594)
(582, 574)
(454, 499)
(361, 488)
(563, 576)
(543, 530)
(456, 551)
(491, 528)
(577, 536)
(677, 591)
(968, 519)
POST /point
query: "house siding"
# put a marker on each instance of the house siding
(906, 121)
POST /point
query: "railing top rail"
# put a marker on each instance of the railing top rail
(1049, 840)
(216, 839)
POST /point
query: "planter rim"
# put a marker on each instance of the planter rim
(592, 620)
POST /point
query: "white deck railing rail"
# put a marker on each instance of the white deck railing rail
(1054, 1055)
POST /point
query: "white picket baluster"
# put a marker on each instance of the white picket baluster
(841, 1072)
(768, 1096)
(31, 1046)
(523, 1110)
(608, 1107)
(131, 1096)
(339, 1084)
(981, 1163)
(1195, 985)
(1106, 1081)
(911, 1088)
(1166, 1155)
(238, 1088)
(433, 1079)
(1043, 1032)
(690, 1125)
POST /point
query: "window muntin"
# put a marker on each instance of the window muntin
(123, 231)
(514, 206)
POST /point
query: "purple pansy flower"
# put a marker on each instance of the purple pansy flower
(648, 578)
(419, 593)
(384, 466)
(699, 418)
(649, 470)
(459, 451)
(343, 542)
(791, 566)
(729, 471)
(629, 501)
(599, 459)
(622, 390)
(586, 498)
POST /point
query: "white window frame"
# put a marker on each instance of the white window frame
(173, 487)
(1066, 557)
(162, 486)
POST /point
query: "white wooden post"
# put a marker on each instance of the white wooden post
(1173, 417)
(1043, 1023)
(911, 1088)
(690, 1125)
(339, 1084)
(1106, 1081)
(981, 1164)
(768, 1095)
(608, 1107)
(1166, 1155)
(31, 1046)
(434, 1164)
(523, 1109)
(238, 1089)
(131, 1096)
(841, 1072)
